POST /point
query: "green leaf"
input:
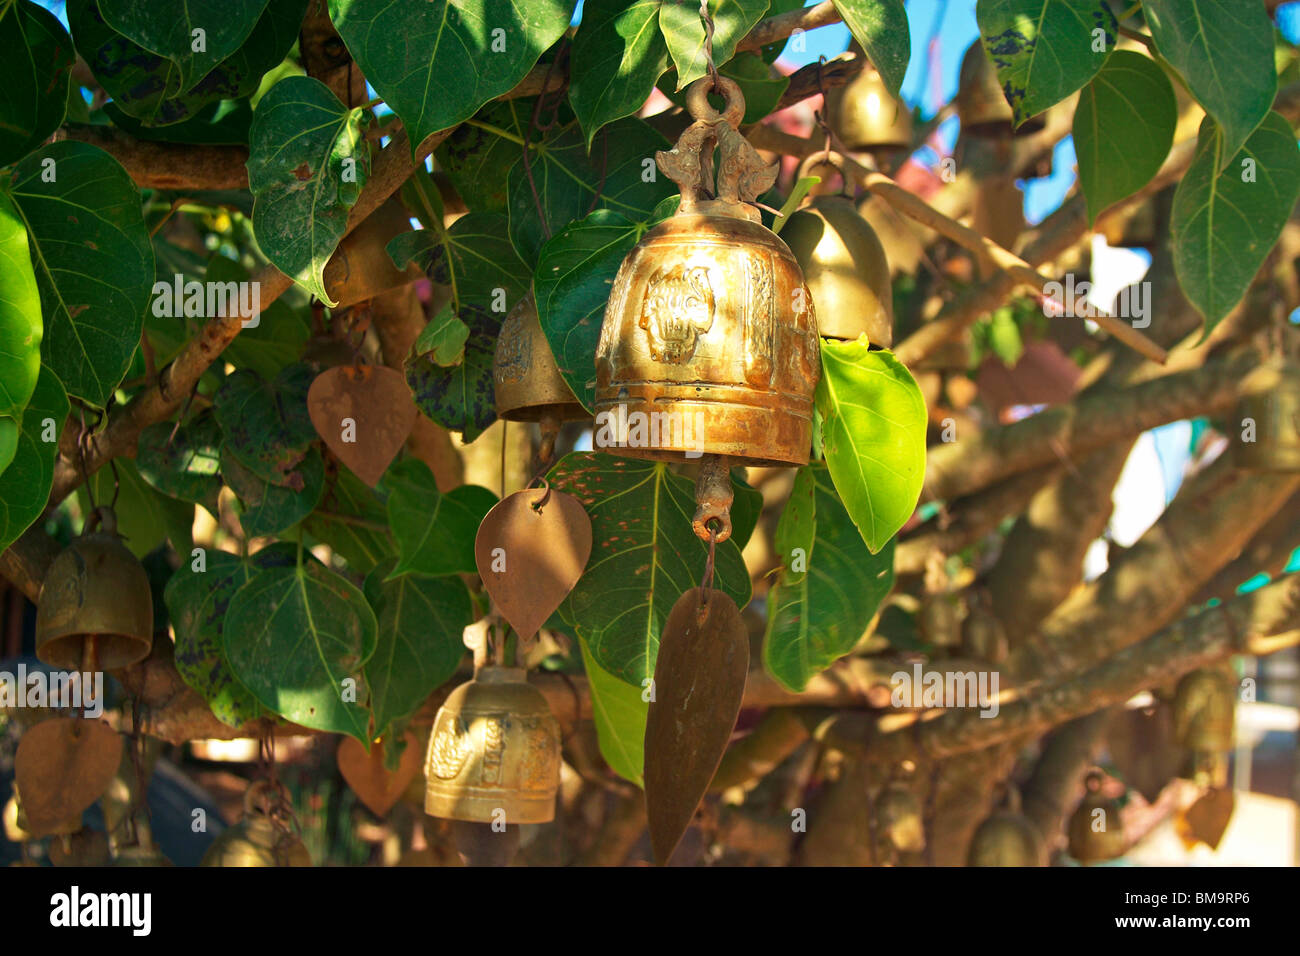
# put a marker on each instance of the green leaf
(1044, 50)
(873, 434)
(10, 429)
(575, 271)
(34, 96)
(183, 462)
(223, 123)
(796, 531)
(20, 315)
(620, 716)
(474, 258)
(684, 32)
(880, 27)
(478, 155)
(25, 484)
(293, 636)
(421, 622)
(279, 337)
(434, 531)
(618, 54)
(443, 339)
(1004, 337)
(352, 520)
(307, 162)
(746, 508)
(93, 262)
(274, 509)
(791, 204)
(266, 424)
(145, 518)
(645, 557)
(461, 397)
(197, 602)
(1225, 53)
(1224, 223)
(149, 87)
(819, 616)
(436, 63)
(760, 84)
(621, 167)
(1123, 128)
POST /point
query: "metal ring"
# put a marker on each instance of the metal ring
(697, 100)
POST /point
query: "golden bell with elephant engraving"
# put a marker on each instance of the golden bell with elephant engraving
(494, 754)
(843, 262)
(982, 107)
(527, 382)
(866, 115)
(1266, 430)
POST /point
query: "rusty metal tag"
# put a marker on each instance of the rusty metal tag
(63, 766)
(364, 414)
(373, 783)
(698, 686)
(1206, 820)
(530, 550)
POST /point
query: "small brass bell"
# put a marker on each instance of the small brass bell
(1205, 704)
(866, 115)
(95, 608)
(899, 820)
(529, 386)
(844, 264)
(495, 748)
(361, 268)
(1095, 831)
(257, 840)
(1005, 839)
(1266, 429)
(981, 105)
(144, 852)
(709, 343)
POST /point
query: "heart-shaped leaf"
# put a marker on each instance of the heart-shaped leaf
(873, 431)
(307, 162)
(443, 339)
(62, 766)
(35, 93)
(530, 550)
(683, 29)
(880, 27)
(25, 483)
(619, 711)
(699, 683)
(20, 315)
(352, 520)
(364, 414)
(183, 462)
(1206, 820)
(298, 638)
(267, 424)
(460, 397)
(473, 258)
(93, 262)
(477, 157)
(374, 784)
(434, 531)
(622, 52)
(274, 509)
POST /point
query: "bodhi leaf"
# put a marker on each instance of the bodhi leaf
(20, 316)
(460, 397)
(222, 123)
(683, 29)
(478, 156)
(796, 532)
(1044, 50)
(644, 558)
(183, 462)
(25, 483)
(1223, 224)
(434, 531)
(1225, 53)
(474, 258)
(93, 262)
(34, 95)
(351, 519)
(421, 623)
(873, 432)
(1123, 128)
(436, 62)
(224, 26)
(10, 429)
(575, 271)
(816, 617)
(298, 638)
(266, 424)
(274, 509)
(443, 339)
(619, 53)
(307, 162)
(145, 518)
(619, 711)
(880, 27)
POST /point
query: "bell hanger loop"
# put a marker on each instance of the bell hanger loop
(829, 157)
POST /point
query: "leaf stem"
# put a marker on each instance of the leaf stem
(497, 131)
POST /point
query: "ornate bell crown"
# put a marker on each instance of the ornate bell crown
(709, 343)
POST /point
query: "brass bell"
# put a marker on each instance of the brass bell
(981, 105)
(1095, 831)
(144, 852)
(1005, 839)
(95, 608)
(529, 387)
(361, 268)
(257, 840)
(866, 115)
(844, 264)
(898, 819)
(494, 750)
(1266, 429)
(709, 343)
(1205, 705)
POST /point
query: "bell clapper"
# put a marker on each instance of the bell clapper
(713, 497)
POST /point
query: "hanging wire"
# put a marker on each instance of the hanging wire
(708, 43)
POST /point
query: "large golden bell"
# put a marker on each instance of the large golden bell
(256, 840)
(709, 344)
(494, 750)
(866, 115)
(981, 105)
(1205, 705)
(1005, 839)
(844, 265)
(1266, 430)
(95, 589)
(529, 387)
(1095, 831)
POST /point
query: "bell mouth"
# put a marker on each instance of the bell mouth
(112, 651)
(1004, 129)
(558, 411)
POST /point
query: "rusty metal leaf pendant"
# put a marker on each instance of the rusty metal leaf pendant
(530, 550)
(364, 414)
(698, 686)
(63, 766)
(1206, 820)
(373, 783)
